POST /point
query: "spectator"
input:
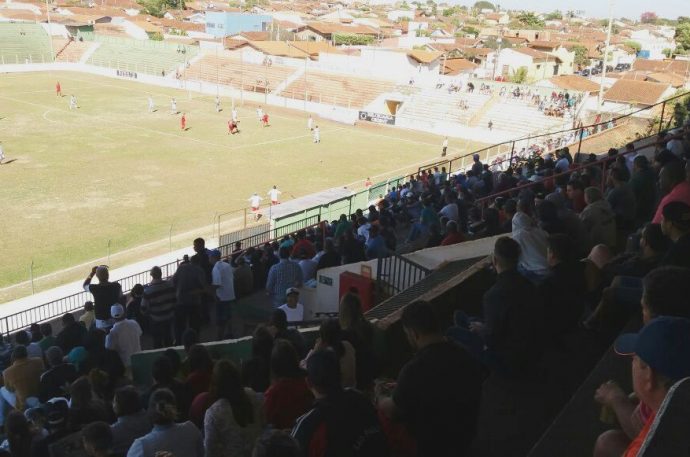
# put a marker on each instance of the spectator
(360, 333)
(673, 186)
(622, 200)
(97, 438)
(661, 357)
(351, 249)
(201, 369)
(21, 382)
(244, 277)
(200, 258)
(277, 443)
(190, 285)
(450, 210)
(84, 407)
(576, 195)
(55, 381)
(643, 183)
(375, 246)
(533, 243)
(179, 439)
(20, 436)
(342, 421)
(158, 303)
(132, 421)
(23, 338)
(675, 223)
(164, 378)
(133, 307)
(105, 294)
(278, 326)
(453, 236)
(233, 422)
(89, 316)
(294, 310)
(330, 257)
(303, 245)
(288, 396)
(223, 283)
(99, 357)
(564, 289)
(308, 266)
(125, 336)
(47, 340)
(282, 276)
(331, 337)
(598, 220)
(256, 372)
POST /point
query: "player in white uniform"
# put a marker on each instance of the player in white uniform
(275, 195)
(310, 123)
(260, 113)
(445, 147)
(234, 115)
(152, 106)
(173, 106)
(217, 104)
(255, 203)
(2, 154)
(73, 102)
(317, 134)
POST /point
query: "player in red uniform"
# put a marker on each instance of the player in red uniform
(58, 89)
(232, 127)
(183, 122)
(264, 120)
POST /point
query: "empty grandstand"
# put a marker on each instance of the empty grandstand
(238, 74)
(24, 43)
(333, 89)
(151, 57)
(70, 50)
(430, 105)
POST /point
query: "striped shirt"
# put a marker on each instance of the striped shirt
(159, 301)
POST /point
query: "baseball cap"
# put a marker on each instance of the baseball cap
(292, 290)
(663, 344)
(117, 311)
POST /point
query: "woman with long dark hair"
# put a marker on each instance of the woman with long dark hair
(331, 337)
(233, 422)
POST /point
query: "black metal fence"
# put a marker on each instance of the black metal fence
(394, 274)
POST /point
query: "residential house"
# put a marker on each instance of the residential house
(499, 18)
(640, 94)
(325, 31)
(224, 23)
(652, 43)
(538, 65)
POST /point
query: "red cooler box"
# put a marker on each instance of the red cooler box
(362, 285)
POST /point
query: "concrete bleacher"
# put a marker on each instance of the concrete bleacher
(438, 104)
(336, 90)
(23, 42)
(69, 50)
(142, 56)
(238, 74)
(519, 118)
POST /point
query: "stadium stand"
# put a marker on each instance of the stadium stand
(151, 57)
(440, 105)
(70, 50)
(518, 117)
(238, 74)
(23, 42)
(336, 90)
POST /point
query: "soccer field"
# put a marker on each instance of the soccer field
(110, 170)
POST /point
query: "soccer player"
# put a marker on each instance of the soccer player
(2, 154)
(217, 104)
(368, 183)
(173, 106)
(255, 203)
(152, 106)
(445, 147)
(264, 120)
(310, 123)
(58, 89)
(183, 122)
(260, 113)
(317, 134)
(232, 127)
(73, 102)
(274, 194)
(234, 115)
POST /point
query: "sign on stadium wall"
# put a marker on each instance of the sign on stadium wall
(377, 117)
(127, 74)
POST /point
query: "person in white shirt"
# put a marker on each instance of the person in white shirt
(173, 106)
(223, 282)
(317, 135)
(363, 229)
(234, 115)
(293, 309)
(310, 123)
(2, 153)
(152, 106)
(125, 336)
(72, 102)
(307, 265)
(451, 210)
(255, 203)
(217, 104)
(275, 195)
(260, 113)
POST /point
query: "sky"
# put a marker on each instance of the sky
(598, 8)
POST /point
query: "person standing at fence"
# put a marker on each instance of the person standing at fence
(190, 285)
(58, 89)
(445, 147)
(159, 304)
(223, 283)
(105, 294)
(255, 203)
(282, 276)
(275, 195)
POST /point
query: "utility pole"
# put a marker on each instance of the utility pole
(606, 54)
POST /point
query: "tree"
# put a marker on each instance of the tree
(683, 36)
(404, 6)
(581, 55)
(519, 76)
(484, 5)
(530, 20)
(648, 17)
(634, 44)
(469, 30)
(668, 52)
(554, 15)
(352, 39)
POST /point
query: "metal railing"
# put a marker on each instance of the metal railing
(394, 274)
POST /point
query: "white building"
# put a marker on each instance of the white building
(397, 15)
(653, 43)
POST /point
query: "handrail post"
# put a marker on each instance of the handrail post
(245, 218)
(512, 151)
(579, 144)
(661, 121)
